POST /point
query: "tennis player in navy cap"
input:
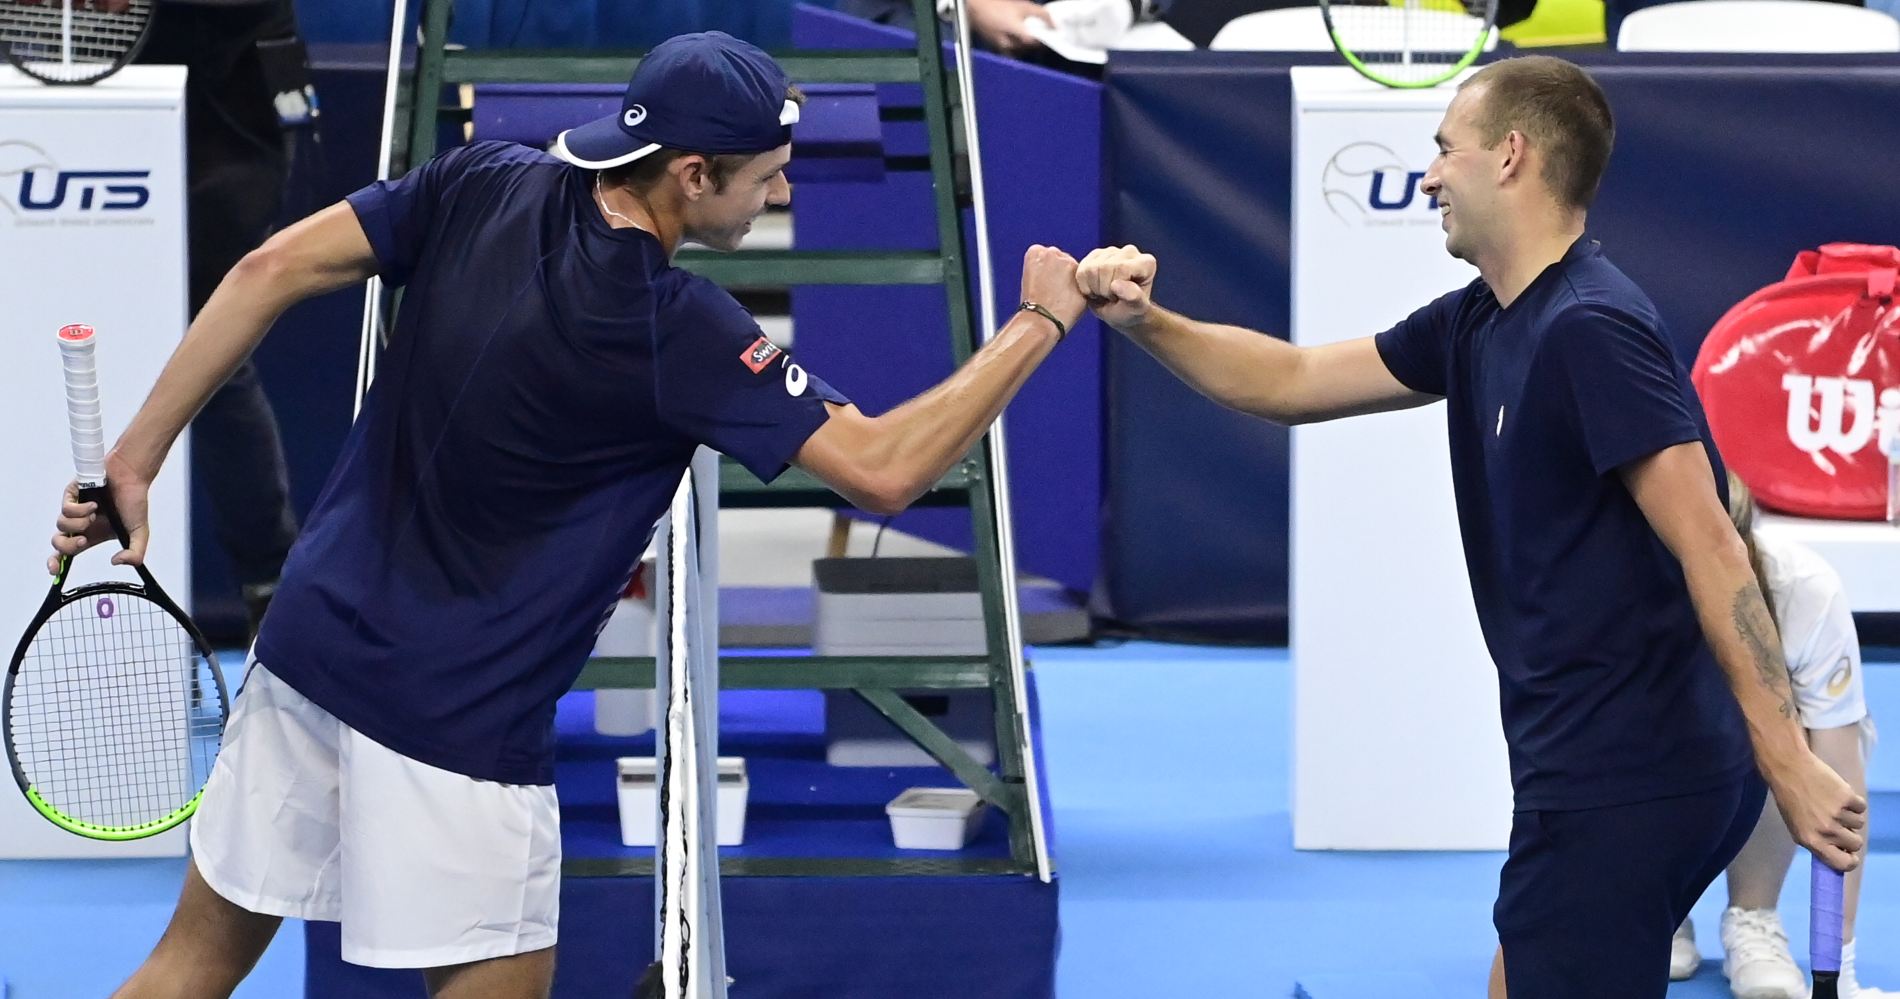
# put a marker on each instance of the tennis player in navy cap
(388, 764)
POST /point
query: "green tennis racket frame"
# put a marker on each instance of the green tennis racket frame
(1464, 62)
(55, 599)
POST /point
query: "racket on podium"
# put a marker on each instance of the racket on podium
(1409, 43)
(113, 706)
(73, 41)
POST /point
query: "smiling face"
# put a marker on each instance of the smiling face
(1464, 178)
(719, 213)
(1521, 151)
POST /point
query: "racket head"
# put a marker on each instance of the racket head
(112, 712)
(73, 42)
(1409, 44)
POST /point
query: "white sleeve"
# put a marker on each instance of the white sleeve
(1828, 690)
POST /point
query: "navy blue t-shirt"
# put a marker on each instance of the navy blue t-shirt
(545, 386)
(1609, 691)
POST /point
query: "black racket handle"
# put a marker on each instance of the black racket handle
(102, 495)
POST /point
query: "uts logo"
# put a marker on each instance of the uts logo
(1366, 183)
(759, 354)
(1838, 415)
(33, 187)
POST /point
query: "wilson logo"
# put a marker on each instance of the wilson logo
(1838, 415)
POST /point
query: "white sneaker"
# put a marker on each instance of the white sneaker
(1850, 984)
(1756, 958)
(1684, 958)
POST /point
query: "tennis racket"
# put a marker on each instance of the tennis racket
(113, 706)
(1825, 925)
(73, 41)
(1409, 43)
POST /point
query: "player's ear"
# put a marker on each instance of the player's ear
(693, 172)
(1514, 148)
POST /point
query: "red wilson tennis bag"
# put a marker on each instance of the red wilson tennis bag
(1799, 378)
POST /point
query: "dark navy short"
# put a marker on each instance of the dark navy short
(1589, 898)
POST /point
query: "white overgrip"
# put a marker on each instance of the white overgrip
(83, 417)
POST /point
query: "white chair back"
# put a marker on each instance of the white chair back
(1758, 26)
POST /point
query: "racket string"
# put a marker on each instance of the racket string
(123, 717)
(1410, 41)
(71, 45)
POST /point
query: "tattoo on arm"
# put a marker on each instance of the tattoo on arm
(1763, 642)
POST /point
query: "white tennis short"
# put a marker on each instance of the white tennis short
(305, 817)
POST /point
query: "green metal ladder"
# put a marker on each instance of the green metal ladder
(977, 482)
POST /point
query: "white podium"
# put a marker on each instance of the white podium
(1397, 740)
(1865, 553)
(92, 230)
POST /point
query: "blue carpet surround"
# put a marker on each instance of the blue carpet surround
(1178, 874)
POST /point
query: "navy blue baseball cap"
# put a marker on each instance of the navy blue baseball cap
(708, 92)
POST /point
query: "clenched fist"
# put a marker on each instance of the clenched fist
(1119, 284)
(1049, 281)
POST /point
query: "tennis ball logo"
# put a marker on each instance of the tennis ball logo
(1366, 183)
(19, 159)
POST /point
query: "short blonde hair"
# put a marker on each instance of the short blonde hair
(1560, 109)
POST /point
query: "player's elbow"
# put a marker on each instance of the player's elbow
(885, 493)
(321, 253)
(867, 460)
(865, 483)
(1274, 407)
(1275, 410)
(1715, 547)
(283, 269)
(266, 266)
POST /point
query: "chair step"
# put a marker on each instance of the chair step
(969, 672)
(795, 487)
(786, 268)
(610, 66)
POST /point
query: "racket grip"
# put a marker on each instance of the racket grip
(1825, 919)
(84, 419)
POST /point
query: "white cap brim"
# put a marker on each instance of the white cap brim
(788, 115)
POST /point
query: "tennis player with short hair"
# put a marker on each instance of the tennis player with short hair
(389, 762)
(1613, 592)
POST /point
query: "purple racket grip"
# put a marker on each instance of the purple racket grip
(1825, 920)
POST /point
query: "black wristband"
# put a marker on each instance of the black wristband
(1061, 330)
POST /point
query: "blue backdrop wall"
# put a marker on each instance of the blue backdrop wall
(558, 23)
(1725, 167)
